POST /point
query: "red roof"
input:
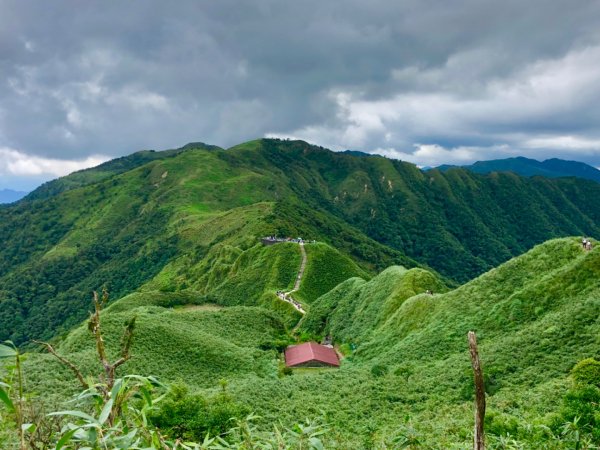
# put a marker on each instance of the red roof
(310, 351)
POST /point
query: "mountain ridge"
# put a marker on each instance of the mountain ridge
(521, 165)
(202, 211)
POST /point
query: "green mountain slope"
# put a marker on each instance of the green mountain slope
(535, 317)
(191, 219)
(108, 169)
(125, 230)
(196, 343)
(356, 309)
(458, 223)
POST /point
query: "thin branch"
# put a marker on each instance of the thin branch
(67, 363)
(127, 339)
(119, 362)
(94, 327)
(108, 377)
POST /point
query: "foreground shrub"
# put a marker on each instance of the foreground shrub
(581, 405)
(379, 370)
(586, 372)
(192, 416)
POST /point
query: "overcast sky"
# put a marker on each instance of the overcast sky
(429, 82)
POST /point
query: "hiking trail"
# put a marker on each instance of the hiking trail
(287, 296)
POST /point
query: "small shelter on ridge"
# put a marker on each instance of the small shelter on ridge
(311, 354)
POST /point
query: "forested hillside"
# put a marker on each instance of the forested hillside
(458, 222)
(189, 219)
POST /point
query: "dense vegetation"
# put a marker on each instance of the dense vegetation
(356, 308)
(406, 377)
(172, 219)
(175, 237)
(108, 170)
(535, 316)
(133, 218)
(459, 223)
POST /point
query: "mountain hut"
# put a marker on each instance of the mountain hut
(311, 354)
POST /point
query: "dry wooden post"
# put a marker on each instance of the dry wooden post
(478, 440)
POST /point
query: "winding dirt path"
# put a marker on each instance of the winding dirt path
(302, 268)
(287, 296)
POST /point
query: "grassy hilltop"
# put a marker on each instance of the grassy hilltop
(409, 372)
(174, 213)
(535, 316)
(177, 214)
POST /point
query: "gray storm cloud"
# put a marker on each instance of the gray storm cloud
(429, 82)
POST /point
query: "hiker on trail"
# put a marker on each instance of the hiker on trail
(588, 245)
(584, 243)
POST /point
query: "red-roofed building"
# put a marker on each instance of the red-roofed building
(311, 354)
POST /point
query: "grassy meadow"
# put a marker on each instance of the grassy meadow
(406, 373)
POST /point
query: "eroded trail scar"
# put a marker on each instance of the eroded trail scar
(287, 296)
(302, 267)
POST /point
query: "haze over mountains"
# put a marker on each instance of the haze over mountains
(10, 196)
(553, 168)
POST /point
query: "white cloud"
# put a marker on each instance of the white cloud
(434, 155)
(137, 99)
(499, 113)
(365, 76)
(16, 163)
(567, 142)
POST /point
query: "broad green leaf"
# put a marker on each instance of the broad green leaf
(28, 427)
(79, 414)
(65, 439)
(4, 398)
(92, 435)
(116, 388)
(106, 411)
(7, 352)
(316, 443)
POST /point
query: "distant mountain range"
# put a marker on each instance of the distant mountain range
(10, 196)
(551, 168)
